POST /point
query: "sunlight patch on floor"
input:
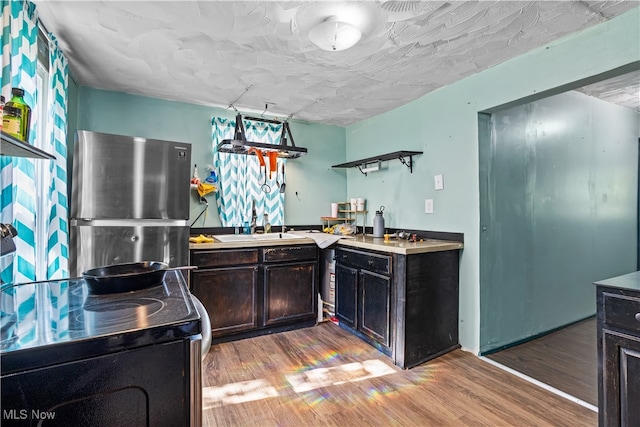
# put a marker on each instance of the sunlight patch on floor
(301, 383)
(233, 393)
(350, 372)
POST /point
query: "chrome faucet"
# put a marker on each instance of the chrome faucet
(254, 217)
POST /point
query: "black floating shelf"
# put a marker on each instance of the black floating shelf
(396, 155)
(13, 147)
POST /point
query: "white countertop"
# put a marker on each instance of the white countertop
(398, 246)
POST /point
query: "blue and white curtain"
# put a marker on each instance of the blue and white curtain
(55, 142)
(18, 200)
(19, 205)
(241, 177)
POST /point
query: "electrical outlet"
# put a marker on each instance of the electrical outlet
(439, 182)
(428, 206)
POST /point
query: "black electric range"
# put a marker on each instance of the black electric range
(54, 322)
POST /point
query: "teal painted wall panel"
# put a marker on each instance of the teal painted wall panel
(310, 176)
(444, 124)
(558, 200)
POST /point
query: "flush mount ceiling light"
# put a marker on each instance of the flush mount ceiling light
(333, 34)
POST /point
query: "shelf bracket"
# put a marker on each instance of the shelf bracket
(408, 164)
(360, 169)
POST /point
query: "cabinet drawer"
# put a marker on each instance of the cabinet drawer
(380, 264)
(622, 312)
(204, 259)
(290, 253)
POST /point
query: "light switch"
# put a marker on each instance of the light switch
(428, 205)
(439, 181)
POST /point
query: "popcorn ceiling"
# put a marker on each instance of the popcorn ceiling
(209, 52)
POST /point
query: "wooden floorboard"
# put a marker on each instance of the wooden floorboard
(326, 376)
(566, 359)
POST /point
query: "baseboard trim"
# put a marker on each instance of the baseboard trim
(541, 384)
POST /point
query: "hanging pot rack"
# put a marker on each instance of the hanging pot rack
(239, 145)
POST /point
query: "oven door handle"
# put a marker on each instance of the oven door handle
(205, 325)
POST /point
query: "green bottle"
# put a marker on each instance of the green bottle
(17, 101)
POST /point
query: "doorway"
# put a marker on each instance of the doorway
(558, 211)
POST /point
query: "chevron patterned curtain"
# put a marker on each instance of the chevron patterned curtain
(55, 142)
(17, 182)
(241, 177)
(19, 204)
(18, 201)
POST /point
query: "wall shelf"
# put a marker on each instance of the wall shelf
(396, 155)
(13, 147)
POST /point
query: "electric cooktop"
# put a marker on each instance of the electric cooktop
(43, 323)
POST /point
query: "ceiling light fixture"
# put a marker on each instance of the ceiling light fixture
(334, 35)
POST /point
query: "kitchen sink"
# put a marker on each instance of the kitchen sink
(226, 238)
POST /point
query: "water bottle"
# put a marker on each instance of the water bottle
(378, 223)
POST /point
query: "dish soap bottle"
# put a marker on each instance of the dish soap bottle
(267, 225)
(378, 223)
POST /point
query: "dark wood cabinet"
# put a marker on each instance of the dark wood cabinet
(362, 297)
(290, 292)
(290, 284)
(252, 291)
(404, 305)
(375, 318)
(347, 295)
(230, 295)
(618, 356)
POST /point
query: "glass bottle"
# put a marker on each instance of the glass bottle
(17, 101)
(12, 121)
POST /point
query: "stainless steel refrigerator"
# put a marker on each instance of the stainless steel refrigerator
(129, 201)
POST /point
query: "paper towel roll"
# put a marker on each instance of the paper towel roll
(334, 210)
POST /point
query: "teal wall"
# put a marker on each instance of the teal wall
(311, 183)
(444, 124)
(558, 211)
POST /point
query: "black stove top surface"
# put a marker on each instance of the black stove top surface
(42, 323)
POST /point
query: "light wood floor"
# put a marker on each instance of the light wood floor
(566, 359)
(323, 376)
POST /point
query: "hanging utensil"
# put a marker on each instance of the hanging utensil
(283, 185)
(277, 177)
(273, 163)
(265, 187)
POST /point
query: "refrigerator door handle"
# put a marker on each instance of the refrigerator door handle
(129, 222)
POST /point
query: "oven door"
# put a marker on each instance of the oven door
(206, 326)
(200, 346)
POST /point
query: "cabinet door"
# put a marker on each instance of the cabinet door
(230, 297)
(346, 294)
(374, 308)
(621, 380)
(289, 292)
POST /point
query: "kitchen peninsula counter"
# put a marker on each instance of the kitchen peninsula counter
(399, 246)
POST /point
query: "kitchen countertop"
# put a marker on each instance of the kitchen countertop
(629, 281)
(249, 244)
(398, 246)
